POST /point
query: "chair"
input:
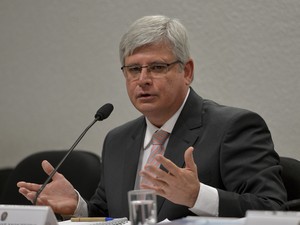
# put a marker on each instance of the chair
(291, 180)
(4, 174)
(81, 168)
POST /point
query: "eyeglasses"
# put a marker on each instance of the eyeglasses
(132, 72)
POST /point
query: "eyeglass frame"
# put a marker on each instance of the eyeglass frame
(149, 70)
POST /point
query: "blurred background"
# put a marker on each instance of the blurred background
(59, 63)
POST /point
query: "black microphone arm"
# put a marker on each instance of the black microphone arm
(101, 114)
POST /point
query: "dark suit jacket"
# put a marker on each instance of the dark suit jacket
(234, 153)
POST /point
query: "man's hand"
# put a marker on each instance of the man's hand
(179, 185)
(59, 194)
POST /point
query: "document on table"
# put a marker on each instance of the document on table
(197, 220)
(190, 220)
(117, 221)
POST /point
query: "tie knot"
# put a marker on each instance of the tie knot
(160, 137)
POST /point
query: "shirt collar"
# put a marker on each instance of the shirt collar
(168, 126)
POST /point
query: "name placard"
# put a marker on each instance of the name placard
(26, 215)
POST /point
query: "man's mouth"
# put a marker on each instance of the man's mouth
(144, 95)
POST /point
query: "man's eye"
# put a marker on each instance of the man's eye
(134, 69)
(158, 67)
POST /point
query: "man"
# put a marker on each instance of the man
(218, 160)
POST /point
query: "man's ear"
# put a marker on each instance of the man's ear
(189, 71)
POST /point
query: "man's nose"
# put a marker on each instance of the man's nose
(145, 73)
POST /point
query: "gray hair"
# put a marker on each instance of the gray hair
(155, 29)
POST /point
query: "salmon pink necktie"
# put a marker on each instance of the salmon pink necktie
(158, 140)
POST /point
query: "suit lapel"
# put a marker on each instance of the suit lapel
(185, 133)
(131, 159)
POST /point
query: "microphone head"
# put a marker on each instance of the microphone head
(104, 112)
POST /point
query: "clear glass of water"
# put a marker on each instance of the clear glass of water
(142, 207)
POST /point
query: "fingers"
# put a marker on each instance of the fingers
(153, 174)
(48, 168)
(168, 164)
(153, 181)
(28, 186)
(172, 168)
(189, 159)
(30, 195)
(28, 189)
(179, 185)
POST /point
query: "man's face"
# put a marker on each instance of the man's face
(159, 97)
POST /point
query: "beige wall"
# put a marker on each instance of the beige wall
(59, 63)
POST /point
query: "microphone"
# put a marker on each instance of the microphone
(101, 114)
(104, 112)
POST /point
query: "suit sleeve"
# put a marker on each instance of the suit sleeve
(97, 206)
(250, 168)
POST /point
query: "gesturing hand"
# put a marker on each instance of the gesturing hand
(179, 185)
(59, 194)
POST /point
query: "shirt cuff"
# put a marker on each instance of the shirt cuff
(81, 209)
(207, 203)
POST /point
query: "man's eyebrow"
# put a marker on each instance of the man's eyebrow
(153, 62)
(133, 64)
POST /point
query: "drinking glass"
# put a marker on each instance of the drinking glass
(142, 207)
